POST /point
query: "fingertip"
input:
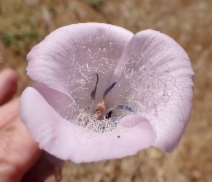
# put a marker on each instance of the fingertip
(8, 84)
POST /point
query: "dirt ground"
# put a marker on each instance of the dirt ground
(24, 23)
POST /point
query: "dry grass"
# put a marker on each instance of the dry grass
(24, 23)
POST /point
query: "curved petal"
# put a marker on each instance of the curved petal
(69, 58)
(67, 141)
(157, 83)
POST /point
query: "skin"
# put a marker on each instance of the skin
(20, 158)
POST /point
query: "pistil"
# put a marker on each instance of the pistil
(100, 110)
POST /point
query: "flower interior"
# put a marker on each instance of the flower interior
(98, 117)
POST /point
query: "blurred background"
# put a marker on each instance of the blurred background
(24, 23)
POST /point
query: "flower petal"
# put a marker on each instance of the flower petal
(69, 58)
(67, 141)
(157, 83)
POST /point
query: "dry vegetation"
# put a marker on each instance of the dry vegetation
(24, 23)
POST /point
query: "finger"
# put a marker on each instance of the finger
(9, 112)
(18, 151)
(8, 85)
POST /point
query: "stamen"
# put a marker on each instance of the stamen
(108, 116)
(108, 90)
(124, 107)
(87, 109)
(93, 93)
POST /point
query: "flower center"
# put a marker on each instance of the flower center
(101, 109)
(99, 118)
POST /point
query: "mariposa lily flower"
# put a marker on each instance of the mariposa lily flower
(101, 92)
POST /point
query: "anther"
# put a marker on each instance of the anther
(108, 116)
(124, 107)
(87, 109)
(108, 90)
(93, 93)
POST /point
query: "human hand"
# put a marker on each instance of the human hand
(20, 158)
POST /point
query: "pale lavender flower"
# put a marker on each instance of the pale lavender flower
(101, 92)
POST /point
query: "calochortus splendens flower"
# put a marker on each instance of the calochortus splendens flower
(101, 92)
